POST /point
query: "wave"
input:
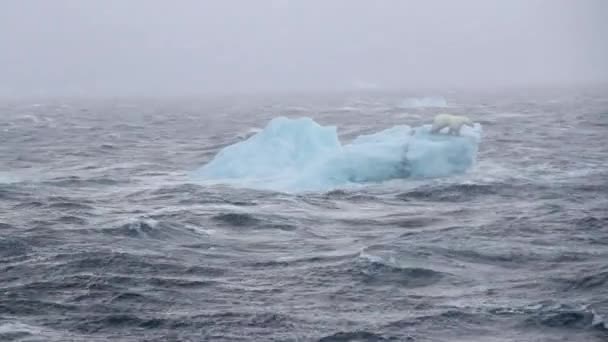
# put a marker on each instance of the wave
(375, 270)
(359, 335)
(460, 192)
(564, 316)
(295, 155)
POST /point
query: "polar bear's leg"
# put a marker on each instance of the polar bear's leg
(438, 124)
(455, 129)
(436, 128)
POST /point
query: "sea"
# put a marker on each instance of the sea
(105, 235)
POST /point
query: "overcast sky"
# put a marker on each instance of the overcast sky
(149, 47)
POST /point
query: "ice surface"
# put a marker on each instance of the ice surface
(295, 155)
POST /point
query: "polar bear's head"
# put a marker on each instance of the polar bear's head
(466, 121)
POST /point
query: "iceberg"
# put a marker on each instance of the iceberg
(295, 155)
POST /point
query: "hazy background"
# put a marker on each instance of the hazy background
(189, 47)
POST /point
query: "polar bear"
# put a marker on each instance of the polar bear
(454, 122)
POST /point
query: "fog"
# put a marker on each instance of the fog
(160, 47)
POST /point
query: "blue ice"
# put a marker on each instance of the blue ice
(294, 155)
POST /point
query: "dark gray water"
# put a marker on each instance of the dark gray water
(103, 237)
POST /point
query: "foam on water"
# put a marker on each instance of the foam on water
(424, 102)
(6, 178)
(301, 155)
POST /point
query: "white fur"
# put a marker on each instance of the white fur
(454, 122)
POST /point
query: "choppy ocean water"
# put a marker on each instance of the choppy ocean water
(104, 236)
